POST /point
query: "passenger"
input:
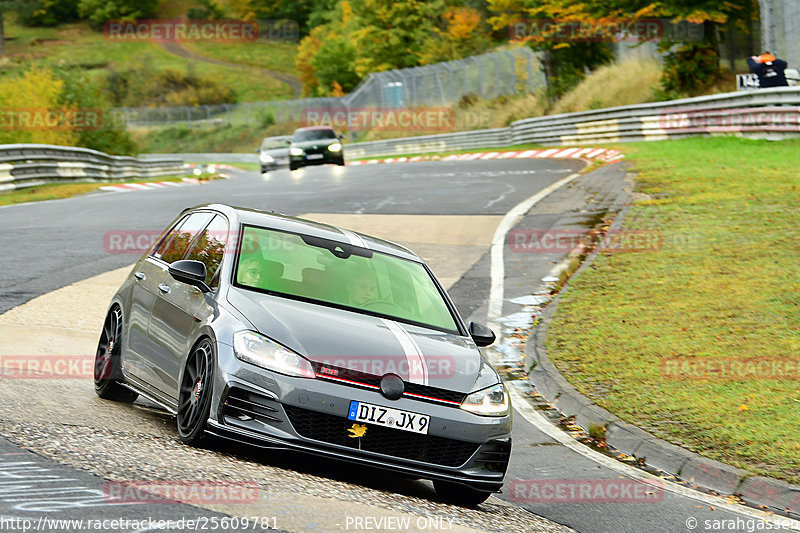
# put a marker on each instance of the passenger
(251, 272)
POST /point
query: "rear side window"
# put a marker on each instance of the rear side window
(177, 242)
(210, 248)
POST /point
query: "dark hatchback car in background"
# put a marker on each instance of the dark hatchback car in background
(286, 333)
(274, 153)
(315, 145)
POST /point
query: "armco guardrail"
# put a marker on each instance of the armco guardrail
(28, 165)
(206, 158)
(766, 113)
(462, 140)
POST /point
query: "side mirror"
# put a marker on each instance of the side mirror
(190, 272)
(482, 335)
(258, 150)
(340, 135)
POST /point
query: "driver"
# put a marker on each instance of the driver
(362, 288)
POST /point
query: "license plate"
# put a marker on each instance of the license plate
(388, 417)
(315, 156)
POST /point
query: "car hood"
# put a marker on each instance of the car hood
(365, 343)
(318, 143)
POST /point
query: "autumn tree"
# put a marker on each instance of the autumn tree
(308, 47)
(564, 60)
(690, 65)
(308, 14)
(6, 6)
(463, 32)
(335, 62)
(48, 12)
(98, 12)
(36, 92)
(390, 34)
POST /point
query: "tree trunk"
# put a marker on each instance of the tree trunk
(2, 36)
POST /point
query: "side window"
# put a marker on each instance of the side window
(180, 241)
(168, 235)
(210, 248)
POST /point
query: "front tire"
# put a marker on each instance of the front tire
(194, 397)
(293, 166)
(107, 368)
(460, 494)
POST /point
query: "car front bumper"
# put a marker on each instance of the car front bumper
(328, 158)
(270, 410)
(275, 164)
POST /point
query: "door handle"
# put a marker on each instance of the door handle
(164, 288)
(139, 275)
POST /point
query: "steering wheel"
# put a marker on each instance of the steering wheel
(380, 306)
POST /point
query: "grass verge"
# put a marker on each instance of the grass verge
(58, 191)
(244, 138)
(723, 286)
(250, 167)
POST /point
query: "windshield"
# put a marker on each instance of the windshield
(275, 144)
(313, 135)
(341, 275)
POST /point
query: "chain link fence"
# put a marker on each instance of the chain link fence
(508, 72)
(489, 76)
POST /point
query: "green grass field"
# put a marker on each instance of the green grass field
(272, 55)
(76, 45)
(724, 286)
(225, 139)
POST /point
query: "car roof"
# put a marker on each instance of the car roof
(311, 128)
(302, 226)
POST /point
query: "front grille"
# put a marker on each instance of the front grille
(434, 392)
(424, 393)
(386, 441)
(318, 150)
(242, 406)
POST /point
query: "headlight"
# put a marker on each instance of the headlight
(491, 401)
(335, 147)
(258, 350)
(266, 158)
(295, 151)
(211, 169)
(197, 171)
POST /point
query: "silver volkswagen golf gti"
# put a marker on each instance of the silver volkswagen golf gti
(286, 333)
